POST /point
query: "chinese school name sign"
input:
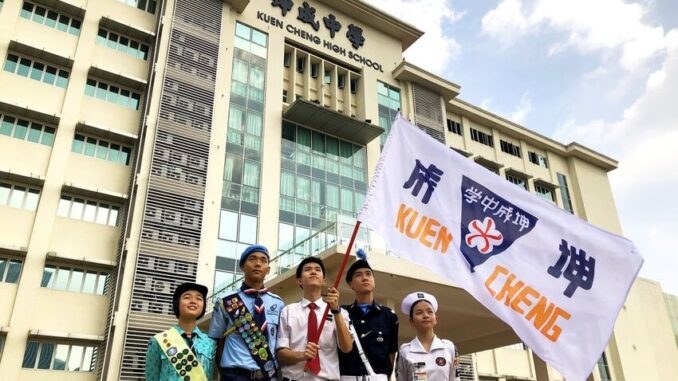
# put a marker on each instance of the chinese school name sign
(558, 281)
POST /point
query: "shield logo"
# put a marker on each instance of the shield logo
(490, 224)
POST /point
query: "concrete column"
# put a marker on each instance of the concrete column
(541, 371)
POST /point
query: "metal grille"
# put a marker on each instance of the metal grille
(428, 112)
(466, 368)
(170, 232)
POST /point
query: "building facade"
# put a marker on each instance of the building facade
(145, 143)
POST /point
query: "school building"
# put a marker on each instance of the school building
(144, 143)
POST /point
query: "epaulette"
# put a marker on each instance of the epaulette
(275, 296)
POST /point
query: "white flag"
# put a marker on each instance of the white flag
(558, 281)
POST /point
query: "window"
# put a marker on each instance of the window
(26, 130)
(301, 63)
(604, 368)
(122, 44)
(341, 81)
(10, 269)
(509, 148)
(88, 210)
(77, 280)
(537, 159)
(112, 93)
(315, 69)
(51, 18)
(19, 196)
(284, 96)
(287, 58)
(388, 101)
(518, 346)
(565, 193)
(145, 5)
(454, 127)
(59, 356)
(545, 193)
(482, 137)
(327, 78)
(354, 85)
(517, 180)
(2, 338)
(28, 67)
(323, 180)
(101, 149)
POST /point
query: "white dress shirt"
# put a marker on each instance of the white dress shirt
(438, 364)
(292, 334)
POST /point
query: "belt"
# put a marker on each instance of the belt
(251, 374)
(374, 377)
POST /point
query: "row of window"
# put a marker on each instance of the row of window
(10, 269)
(145, 5)
(51, 18)
(35, 70)
(101, 149)
(55, 356)
(112, 93)
(39, 71)
(25, 130)
(88, 210)
(509, 148)
(538, 159)
(75, 280)
(62, 278)
(19, 196)
(122, 44)
(454, 127)
(481, 137)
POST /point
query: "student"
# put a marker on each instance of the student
(426, 357)
(245, 322)
(299, 325)
(374, 329)
(182, 352)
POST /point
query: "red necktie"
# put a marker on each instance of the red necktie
(312, 335)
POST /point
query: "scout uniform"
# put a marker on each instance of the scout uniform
(249, 350)
(375, 328)
(415, 363)
(172, 355)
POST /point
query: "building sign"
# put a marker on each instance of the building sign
(307, 15)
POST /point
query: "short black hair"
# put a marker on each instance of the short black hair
(310, 260)
(359, 264)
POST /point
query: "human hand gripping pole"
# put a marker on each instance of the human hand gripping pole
(336, 285)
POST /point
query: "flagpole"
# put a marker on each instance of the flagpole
(336, 284)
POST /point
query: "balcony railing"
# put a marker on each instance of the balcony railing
(337, 233)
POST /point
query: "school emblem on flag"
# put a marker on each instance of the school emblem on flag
(489, 223)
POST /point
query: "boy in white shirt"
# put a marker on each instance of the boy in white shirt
(298, 329)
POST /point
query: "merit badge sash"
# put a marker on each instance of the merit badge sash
(180, 356)
(251, 334)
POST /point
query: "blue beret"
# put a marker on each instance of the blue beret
(253, 249)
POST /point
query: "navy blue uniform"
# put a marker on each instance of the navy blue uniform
(378, 333)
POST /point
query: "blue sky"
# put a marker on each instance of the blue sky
(603, 73)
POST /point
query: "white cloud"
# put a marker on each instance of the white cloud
(644, 140)
(506, 22)
(485, 103)
(434, 50)
(588, 26)
(522, 110)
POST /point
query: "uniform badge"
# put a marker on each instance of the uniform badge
(268, 365)
(380, 339)
(272, 330)
(274, 307)
(440, 361)
(172, 351)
